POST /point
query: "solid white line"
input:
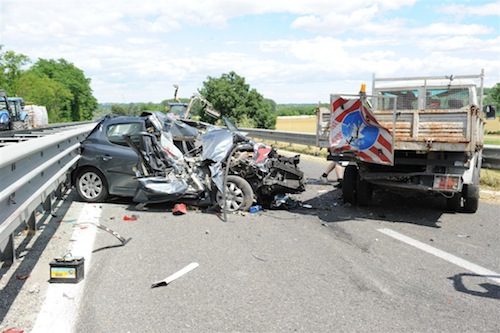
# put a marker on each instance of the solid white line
(58, 313)
(493, 276)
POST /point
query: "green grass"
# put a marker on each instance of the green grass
(490, 179)
(492, 140)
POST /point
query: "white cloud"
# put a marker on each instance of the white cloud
(461, 43)
(135, 50)
(488, 9)
(437, 29)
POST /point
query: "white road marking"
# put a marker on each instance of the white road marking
(58, 313)
(493, 276)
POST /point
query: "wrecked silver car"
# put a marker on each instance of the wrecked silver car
(156, 158)
(224, 164)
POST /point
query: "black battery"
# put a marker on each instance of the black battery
(67, 270)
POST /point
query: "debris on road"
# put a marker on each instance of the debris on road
(114, 233)
(179, 209)
(176, 275)
(67, 221)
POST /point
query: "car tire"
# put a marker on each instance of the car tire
(239, 194)
(91, 185)
(350, 184)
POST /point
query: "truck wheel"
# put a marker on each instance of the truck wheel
(454, 203)
(471, 197)
(239, 194)
(18, 126)
(91, 185)
(350, 184)
(364, 191)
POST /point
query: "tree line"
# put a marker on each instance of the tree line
(56, 84)
(66, 93)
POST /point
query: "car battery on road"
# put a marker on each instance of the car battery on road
(67, 269)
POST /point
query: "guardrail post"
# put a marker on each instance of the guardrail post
(31, 225)
(47, 204)
(8, 252)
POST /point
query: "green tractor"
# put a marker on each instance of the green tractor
(12, 115)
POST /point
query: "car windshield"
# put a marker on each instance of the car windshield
(178, 109)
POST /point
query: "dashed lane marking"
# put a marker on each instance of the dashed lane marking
(491, 275)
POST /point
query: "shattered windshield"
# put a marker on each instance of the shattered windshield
(178, 109)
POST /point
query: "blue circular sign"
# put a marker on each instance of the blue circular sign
(357, 133)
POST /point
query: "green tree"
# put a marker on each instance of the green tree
(41, 90)
(119, 110)
(11, 69)
(233, 98)
(82, 102)
(493, 95)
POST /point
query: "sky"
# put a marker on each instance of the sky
(291, 51)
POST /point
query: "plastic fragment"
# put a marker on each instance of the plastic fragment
(67, 221)
(13, 330)
(129, 218)
(22, 277)
(255, 209)
(176, 275)
(179, 209)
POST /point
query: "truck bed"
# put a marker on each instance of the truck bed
(432, 130)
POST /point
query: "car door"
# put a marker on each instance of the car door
(117, 159)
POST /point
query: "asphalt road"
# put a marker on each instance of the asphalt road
(403, 265)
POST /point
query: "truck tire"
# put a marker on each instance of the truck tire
(349, 186)
(471, 198)
(18, 125)
(364, 191)
(470, 192)
(454, 203)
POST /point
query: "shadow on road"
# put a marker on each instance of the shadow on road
(489, 290)
(28, 253)
(327, 203)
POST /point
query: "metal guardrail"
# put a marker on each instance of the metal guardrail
(491, 157)
(31, 172)
(491, 153)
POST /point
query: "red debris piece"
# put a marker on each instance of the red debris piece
(22, 277)
(13, 330)
(129, 218)
(179, 209)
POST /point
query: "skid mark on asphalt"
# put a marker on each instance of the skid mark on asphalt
(493, 276)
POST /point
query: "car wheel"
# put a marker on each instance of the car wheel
(350, 184)
(91, 185)
(239, 194)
